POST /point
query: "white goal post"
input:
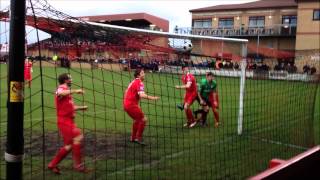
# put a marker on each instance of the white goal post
(242, 87)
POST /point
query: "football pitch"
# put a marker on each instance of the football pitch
(281, 119)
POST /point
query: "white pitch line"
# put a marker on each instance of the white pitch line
(279, 143)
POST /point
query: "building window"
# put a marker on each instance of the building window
(316, 14)
(206, 23)
(226, 23)
(289, 20)
(256, 21)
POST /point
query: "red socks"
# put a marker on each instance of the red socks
(189, 115)
(135, 127)
(140, 130)
(76, 154)
(62, 153)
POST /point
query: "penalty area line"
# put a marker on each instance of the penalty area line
(278, 143)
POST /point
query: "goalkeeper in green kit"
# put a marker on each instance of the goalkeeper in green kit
(208, 97)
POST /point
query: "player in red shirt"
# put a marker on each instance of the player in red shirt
(133, 94)
(72, 136)
(190, 85)
(28, 71)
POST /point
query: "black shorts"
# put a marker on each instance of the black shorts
(206, 101)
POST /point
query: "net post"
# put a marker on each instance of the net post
(242, 85)
(15, 102)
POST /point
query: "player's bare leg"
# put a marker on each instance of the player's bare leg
(28, 82)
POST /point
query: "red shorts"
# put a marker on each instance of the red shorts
(134, 111)
(189, 98)
(68, 129)
(27, 76)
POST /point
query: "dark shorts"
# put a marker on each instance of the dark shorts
(206, 101)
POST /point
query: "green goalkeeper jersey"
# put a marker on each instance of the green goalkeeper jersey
(205, 88)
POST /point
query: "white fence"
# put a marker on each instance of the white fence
(277, 75)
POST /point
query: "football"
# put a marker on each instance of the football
(187, 46)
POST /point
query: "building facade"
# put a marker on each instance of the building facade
(280, 28)
(308, 33)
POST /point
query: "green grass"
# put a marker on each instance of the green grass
(280, 120)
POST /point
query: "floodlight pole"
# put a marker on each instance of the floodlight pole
(242, 86)
(15, 141)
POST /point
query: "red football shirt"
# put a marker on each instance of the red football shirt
(27, 69)
(190, 78)
(64, 104)
(131, 96)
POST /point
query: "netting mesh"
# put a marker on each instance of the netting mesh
(278, 112)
